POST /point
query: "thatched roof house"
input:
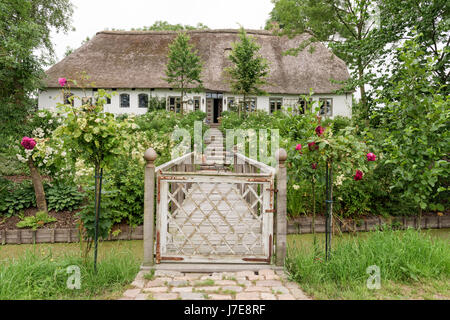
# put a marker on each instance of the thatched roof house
(127, 59)
(136, 60)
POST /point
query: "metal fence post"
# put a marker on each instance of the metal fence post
(149, 199)
(281, 208)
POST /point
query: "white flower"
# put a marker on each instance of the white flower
(21, 158)
(63, 153)
(98, 120)
(296, 187)
(339, 180)
(41, 114)
(38, 132)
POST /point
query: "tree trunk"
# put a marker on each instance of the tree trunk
(38, 186)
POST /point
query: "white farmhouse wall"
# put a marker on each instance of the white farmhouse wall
(48, 99)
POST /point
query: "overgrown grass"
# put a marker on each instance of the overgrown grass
(408, 258)
(42, 275)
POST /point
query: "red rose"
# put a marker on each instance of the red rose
(371, 157)
(358, 176)
(312, 146)
(320, 130)
(314, 166)
(298, 147)
(28, 143)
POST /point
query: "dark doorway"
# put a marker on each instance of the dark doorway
(217, 110)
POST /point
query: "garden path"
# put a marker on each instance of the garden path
(265, 284)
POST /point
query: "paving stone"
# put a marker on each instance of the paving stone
(155, 283)
(266, 272)
(182, 289)
(138, 283)
(141, 296)
(256, 277)
(224, 275)
(247, 296)
(299, 294)
(285, 297)
(192, 296)
(165, 296)
(207, 289)
(244, 282)
(164, 273)
(232, 288)
(268, 283)
(245, 273)
(291, 285)
(220, 297)
(257, 289)
(193, 276)
(165, 279)
(182, 278)
(132, 293)
(268, 296)
(273, 277)
(178, 283)
(225, 282)
(215, 278)
(281, 290)
(156, 289)
(140, 275)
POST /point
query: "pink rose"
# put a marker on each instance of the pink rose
(358, 176)
(298, 147)
(312, 146)
(28, 143)
(320, 130)
(371, 157)
(314, 166)
(62, 82)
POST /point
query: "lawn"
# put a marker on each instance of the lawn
(413, 265)
(40, 271)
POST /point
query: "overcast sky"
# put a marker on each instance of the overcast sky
(91, 16)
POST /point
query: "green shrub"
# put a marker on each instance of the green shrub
(62, 196)
(17, 197)
(34, 222)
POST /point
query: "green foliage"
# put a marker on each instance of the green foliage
(36, 276)
(16, 197)
(249, 69)
(416, 127)
(26, 47)
(184, 68)
(34, 222)
(61, 197)
(403, 256)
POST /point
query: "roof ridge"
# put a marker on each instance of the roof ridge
(137, 32)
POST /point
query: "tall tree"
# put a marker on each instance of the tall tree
(184, 68)
(25, 48)
(351, 28)
(249, 69)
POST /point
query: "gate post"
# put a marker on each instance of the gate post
(149, 205)
(281, 208)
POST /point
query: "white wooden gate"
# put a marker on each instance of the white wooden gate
(214, 217)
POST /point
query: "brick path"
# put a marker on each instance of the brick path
(244, 285)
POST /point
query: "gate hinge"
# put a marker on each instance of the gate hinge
(270, 210)
(272, 190)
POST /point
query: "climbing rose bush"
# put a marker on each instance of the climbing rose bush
(371, 157)
(62, 81)
(358, 176)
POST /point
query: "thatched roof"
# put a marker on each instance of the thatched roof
(137, 59)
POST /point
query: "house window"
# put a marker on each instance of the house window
(124, 100)
(291, 104)
(231, 103)
(196, 103)
(108, 100)
(175, 104)
(275, 104)
(86, 101)
(68, 99)
(326, 107)
(250, 104)
(143, 100)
